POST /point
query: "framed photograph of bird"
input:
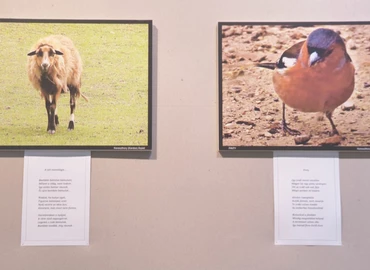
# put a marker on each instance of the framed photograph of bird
(294, 86)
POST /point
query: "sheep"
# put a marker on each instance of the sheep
(55, 66)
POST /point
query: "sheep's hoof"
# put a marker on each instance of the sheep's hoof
(71, 125)
(50, 131)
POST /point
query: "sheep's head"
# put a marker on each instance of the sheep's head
(45, 56)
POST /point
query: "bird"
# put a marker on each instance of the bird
(314, 75)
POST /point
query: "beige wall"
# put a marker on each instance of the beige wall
(185, 206)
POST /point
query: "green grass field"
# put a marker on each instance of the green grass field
(114, 78)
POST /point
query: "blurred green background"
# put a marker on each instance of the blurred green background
(114, 78)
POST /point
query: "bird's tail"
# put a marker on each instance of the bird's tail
(267, 65)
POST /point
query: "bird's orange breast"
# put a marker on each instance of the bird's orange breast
(318, 88)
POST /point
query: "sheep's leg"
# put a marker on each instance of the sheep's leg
(50, 105)
(72, 103)
(56, 117)
(47, 105)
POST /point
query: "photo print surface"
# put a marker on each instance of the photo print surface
(75, 84)
(294, 86)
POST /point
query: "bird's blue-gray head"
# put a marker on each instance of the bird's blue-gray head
(320, 44)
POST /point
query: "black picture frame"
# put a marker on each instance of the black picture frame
(248, 104)
(116, 78)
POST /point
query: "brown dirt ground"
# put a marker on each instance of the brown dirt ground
(252, 111)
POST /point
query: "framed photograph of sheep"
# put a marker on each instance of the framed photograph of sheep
(73, 84)
(294, 86)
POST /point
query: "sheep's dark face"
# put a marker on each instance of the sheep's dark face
(45, 57)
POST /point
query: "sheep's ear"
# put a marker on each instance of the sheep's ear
(31, 53)
(58, 52)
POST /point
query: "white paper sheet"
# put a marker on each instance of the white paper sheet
(56, 198)
(307, 198)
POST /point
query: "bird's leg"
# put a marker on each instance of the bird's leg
(285, 126)
(334, 129)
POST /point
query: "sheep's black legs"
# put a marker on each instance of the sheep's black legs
(48, 112)
(72, 103)
(56, 118)
(50, 109)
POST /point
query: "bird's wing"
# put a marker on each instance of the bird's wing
(291, 53)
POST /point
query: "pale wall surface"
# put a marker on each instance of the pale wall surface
(186, 207)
